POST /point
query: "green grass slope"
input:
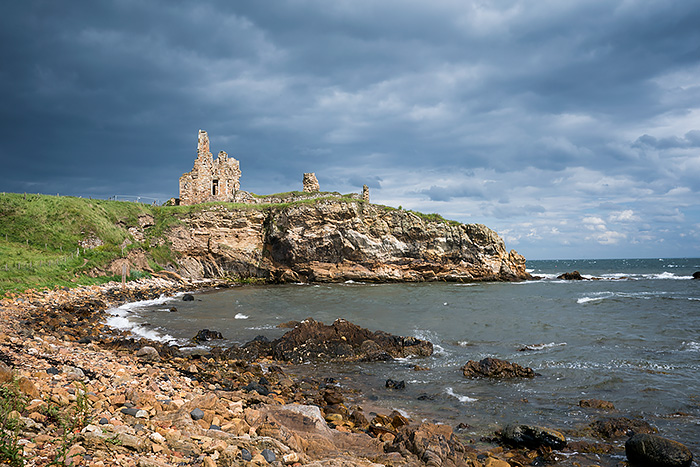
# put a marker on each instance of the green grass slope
(40, 237)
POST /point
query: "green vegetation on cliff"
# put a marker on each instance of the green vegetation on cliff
(50, 240)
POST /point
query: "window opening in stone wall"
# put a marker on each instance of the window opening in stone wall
(214, 187)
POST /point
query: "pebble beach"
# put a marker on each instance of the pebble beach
(93, 395)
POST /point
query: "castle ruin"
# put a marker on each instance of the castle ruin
(218, 179)
(210, 179)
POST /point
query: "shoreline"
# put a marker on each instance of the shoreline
(143, 408)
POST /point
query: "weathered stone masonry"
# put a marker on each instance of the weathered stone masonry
(219, 180)
(210, 179)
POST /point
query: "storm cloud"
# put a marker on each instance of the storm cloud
(571, 128)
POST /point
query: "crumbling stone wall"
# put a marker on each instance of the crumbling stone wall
(210, 179)
(365, 193)
(310, 183)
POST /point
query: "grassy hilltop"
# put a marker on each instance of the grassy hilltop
(42, 237)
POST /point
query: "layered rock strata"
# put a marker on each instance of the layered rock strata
(330, 241)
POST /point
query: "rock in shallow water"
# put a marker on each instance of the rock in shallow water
(655, 451)
(496, 368)
(206, 335)
(620, 427)
(313, 341)
(532, 437)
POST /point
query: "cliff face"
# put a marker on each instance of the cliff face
(336, 241)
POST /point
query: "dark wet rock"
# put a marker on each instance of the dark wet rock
(257, 387)
(359, 420)
(696, 275)
(268, 455)
(133, 411)
(188, 298)
(206, 335)
(214, 427)
(197, 414)
(496, 368)
(391, 384)
(103, 421)
(343, 341)
(596, 404)
(53, 370)
(435, 445)
(571, 276)
(620, 427)
(173, 309)
(246, 455)
(332, 396)
(532, 437)
(655, 451)
(462, 427)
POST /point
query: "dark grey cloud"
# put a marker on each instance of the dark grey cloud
(526, 116)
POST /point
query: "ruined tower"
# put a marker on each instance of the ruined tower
(210, 179)
(310, 183)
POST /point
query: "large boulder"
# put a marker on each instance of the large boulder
(532, 437)
(654, 451)
(696, 275)
(311, 340)
(435, 445)
(496, 368)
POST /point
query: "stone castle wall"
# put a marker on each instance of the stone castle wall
(219, 180)
(210, 179)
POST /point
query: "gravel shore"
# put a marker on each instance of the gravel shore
(92, 395)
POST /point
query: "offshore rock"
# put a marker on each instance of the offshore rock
(654, 451)
(532, 437)
(596, 404)
(205, 335)
(496, 368)
(571, 276)
(342, 341)
(337, 240)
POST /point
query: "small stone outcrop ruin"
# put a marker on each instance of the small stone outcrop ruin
(310, 183)
(210, 179)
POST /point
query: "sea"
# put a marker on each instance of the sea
(629, 335)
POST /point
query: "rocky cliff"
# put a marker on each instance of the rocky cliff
(337, 240)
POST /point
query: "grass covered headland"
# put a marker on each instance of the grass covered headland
(48, 241)
(51, 240)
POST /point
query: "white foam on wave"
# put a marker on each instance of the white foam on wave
(240, 316)
(264, 327)
(433, 338)
(595, 297)
(543, 346)
(463, 399)
(120, 321)
(624, 295)
(132, 306)
(121, 318)
(691, 346)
